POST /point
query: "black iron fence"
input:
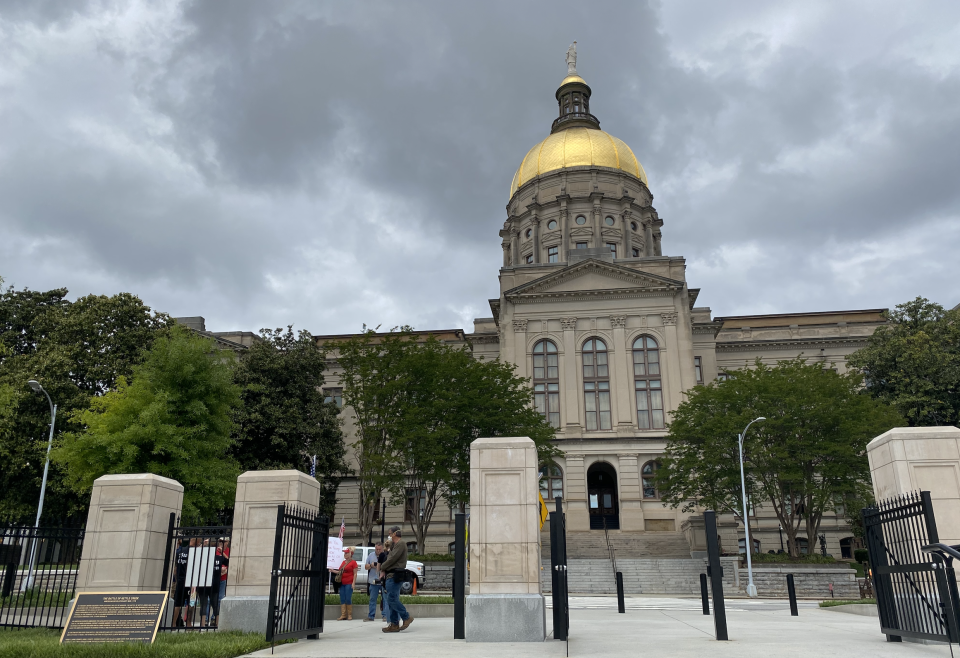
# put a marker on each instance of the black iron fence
(196, 567)
(38, 574)
(911, 587)
(298, 575)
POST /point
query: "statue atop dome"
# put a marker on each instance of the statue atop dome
(572, 59)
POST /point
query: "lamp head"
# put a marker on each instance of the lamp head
(35, 385)
(760, 418)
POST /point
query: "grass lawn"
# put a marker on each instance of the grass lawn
(41, 643)
(834, 602)
(38, 597)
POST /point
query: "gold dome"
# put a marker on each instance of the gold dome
(577, 147)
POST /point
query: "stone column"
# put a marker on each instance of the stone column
(515, 247)
(536, 239)
(126, 538)
(597, 226)
(259, 494)
(564, 231)
(631, 498)
(670, 363)
(505, 603)
(578, 516)
(627, 235)
(621, 361)
(647, 239)
(909, 459)
(569, 379)
(520, 348)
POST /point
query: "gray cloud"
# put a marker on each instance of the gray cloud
(329, 165)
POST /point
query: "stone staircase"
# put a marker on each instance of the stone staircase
(628, 545)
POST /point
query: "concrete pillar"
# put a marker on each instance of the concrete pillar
(505, 603)
(126, 538)
(627, 235)
(631, 498)
(536, 239)
(909, 459)
(570, 379)
(515, 248)
(621, 364)
(578, 516)
(648, 239)
(670, 363)
(259, 494)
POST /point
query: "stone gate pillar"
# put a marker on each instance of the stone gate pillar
(921, 458)
(126, 537)
(505, 603)
(259, 494)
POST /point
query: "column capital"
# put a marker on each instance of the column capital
(669, 318)
(618, 321)
(568, 324)
(519, 325)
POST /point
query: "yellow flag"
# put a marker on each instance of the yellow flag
(544, 513)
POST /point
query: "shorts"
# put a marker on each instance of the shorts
(181, 596)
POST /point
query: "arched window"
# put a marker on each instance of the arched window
(551, 482)
(596, 384)
(546, 381)
(646, 375)
(649, 483)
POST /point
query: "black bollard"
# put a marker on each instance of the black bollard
(792, 593)
(704, 595)
(460, 577)
(715, 573)
(620, 604)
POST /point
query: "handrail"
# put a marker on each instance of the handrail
(950, 551)
(611, 551)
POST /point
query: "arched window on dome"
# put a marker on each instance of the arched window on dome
(546, 381)
(647, 382)
(596, 384)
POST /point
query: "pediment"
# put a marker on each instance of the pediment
(592, 278)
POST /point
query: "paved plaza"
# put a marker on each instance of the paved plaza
(650, 627)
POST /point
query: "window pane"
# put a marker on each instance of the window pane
(557, 488)
(553, 387)
(590, 401)
(607, 501)
(594, 502)
(639, 369)
(649, 490)
(655, 383)
(641, 385)
(538, 403)
(555, 471)
(591, 420)
(552, 359)
(651, 344)
(604, 397)
(602, 365)
(603, 386)
(588, 346)
(551, 347)
(653, 357)
(638, 343)
(643, 420)
(553, 372)
(601, 345)
(648, 468)
(658, 420)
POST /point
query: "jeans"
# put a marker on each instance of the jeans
(397, 611)
(346, 594)
(375, 591)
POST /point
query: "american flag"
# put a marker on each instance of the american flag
(343, 526)
(313, 467)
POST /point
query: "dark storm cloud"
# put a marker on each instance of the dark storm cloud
(333, 164)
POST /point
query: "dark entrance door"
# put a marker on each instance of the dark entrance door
(602, 497)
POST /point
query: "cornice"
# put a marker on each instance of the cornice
(788, 343)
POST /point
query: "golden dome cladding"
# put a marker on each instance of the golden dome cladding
(577, 147)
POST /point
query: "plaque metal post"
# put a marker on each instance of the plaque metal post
(715, 573)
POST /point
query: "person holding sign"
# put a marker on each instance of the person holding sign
(345, 576)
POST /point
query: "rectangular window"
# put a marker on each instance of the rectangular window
(553, 254)
(416, 504)
(333, 395)
(636, 253)
(698, 369)
(581, 245)
(546, 400)
(612, 246)
(529, 258)
(596, 402)
(462, 508)
(649, 404)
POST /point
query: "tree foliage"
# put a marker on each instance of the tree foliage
(913, 363)
(416, 405)
(175, 419)
(77, 350)
(283, 420)
(805, 458)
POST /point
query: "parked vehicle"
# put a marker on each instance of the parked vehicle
(415, 568)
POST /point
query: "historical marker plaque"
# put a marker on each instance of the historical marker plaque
(114, 617)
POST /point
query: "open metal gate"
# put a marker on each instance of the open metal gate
(195, 568)
(912, 587)
(298, 575)
(558, 573)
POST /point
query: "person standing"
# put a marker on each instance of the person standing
(374, 588)
(180, 591)
(221, 564)
(394, 569)
(348, 572)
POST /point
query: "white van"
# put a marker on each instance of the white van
(360, 554)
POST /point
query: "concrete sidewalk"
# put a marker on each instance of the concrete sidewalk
(650, 627)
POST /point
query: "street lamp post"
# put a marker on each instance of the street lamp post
(28, 583)
(751, 588)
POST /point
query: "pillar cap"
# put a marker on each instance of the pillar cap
(127, 479)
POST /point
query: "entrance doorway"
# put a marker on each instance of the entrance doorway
(602, 497)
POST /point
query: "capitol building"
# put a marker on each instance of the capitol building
(600, 317)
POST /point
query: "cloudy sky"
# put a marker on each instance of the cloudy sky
(334, 164)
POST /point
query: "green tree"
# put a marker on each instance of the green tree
(174, 419)
(451, 398)
(76, 350)
(913, 363)
(284, 420)
(804, 459)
